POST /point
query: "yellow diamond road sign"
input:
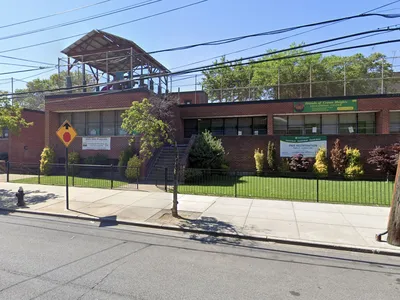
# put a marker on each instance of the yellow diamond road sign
(66, 133)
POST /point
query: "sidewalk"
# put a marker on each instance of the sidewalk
(334, 224)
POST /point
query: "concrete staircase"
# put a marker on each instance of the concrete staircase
(165, 159)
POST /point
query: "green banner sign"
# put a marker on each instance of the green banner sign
(325, 106)
(306, 145)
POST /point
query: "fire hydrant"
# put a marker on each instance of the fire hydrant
(20, 196)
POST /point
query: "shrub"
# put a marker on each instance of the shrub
(338, 158)
(271, 154)
(385, 158)
(259, 158)
(321, 164)
(354, 167)
(298, 163)
(193, 175)
(98, 159)
(124, 157)
(74, 159)
(207, 152)
(47, 157)
(132, 170)
(284, 167)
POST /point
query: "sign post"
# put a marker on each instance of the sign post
(66, 134)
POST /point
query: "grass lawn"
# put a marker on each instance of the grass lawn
(349, 192)
(77, 181)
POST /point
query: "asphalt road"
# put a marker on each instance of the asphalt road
(50, 258)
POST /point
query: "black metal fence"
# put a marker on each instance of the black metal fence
(300, 186)
(79, 175)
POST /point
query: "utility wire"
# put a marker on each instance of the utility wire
(108, 27)
(119, 10)
(223, 65)
(53, 15)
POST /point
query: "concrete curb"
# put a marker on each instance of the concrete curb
(259, 238)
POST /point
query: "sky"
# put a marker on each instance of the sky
(210, 20)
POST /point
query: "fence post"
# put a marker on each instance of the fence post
(236, 178)
(112, 176)
(8, 171)
(317, 189)
(166, 179)
(137, 178)
(39, 175)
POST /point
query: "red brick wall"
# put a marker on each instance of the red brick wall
(195, 97)
(28, 145)
(4, 144)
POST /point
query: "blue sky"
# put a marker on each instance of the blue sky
(214, 19)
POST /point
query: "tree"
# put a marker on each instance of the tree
(321, 164)
(354, 168)
(298, 163)
(385, 158)
(394, 215)
(35, 100)
(338, 158)
(207, 152)
(293, 75)
(11, 115)
(259, 159)
(271, 156)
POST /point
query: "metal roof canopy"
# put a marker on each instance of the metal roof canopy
(110, 54)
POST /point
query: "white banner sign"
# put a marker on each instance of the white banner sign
(306, 145)
(96, 143)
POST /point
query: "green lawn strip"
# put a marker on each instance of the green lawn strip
(77, 181)
(299, 189)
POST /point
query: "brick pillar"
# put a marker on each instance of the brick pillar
(270, 124)
(383, 122)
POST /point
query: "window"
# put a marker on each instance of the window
(217, 126)
(280, 125)
(190, 127)
(366, 123)
(231, 126)
(296, 125)
(79, 123)
(312, 124)
(188, 101)
(329, 124)
(93, 123)
(259, 125)
(394, 122)
(64, 117)
(120, 131)
(108, 123)
(347, 123)
(245, 126)
(204, 124)
(4, 133)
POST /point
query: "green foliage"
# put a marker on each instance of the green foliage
(259, 158)
(11, 116)
(271, 156)
(133, 168)
(321, 163)
(193, 175)
(124, 157)
(284, 166)
(74, 159)
(266, 75)
(98, 159)
(153, 132)
(338, 158)
(47, 158)
(354, 167)
(35, 100)
(207, 152)
(298, 163)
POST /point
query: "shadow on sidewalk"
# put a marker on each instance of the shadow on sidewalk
(210, 224)
(8, 200)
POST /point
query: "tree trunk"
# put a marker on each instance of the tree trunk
(394, 216)
(175, 197)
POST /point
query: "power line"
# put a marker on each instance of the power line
(223, 65)
(55, 14)
(108, 27)
(284, 38)
(23, 71)
(119, 10)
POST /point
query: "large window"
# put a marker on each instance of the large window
(394, 122)
(227, 126)
(95, 123)
(363, 123)
(4, 133)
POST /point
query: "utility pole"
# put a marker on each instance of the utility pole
(12, 91)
